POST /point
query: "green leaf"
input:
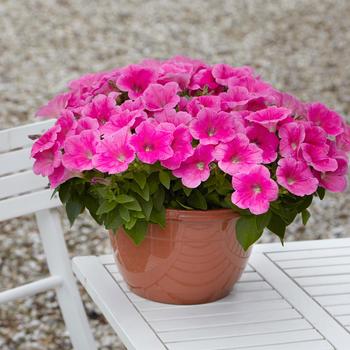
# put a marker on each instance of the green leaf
(147, 207)
(153, 183)
(124, 213)
(124, 198)
(158, 217)
(247, 231)
(164, 179)
(187, 191)
(305, 203)
(277, 226)
(73, 209)
(133, 205)
(140, 179)
(129, 225)
(197, 200)
(305, 215)
(263, 220)
(113, 220)
(54, 192)
(106, 207)
(144, 193)
(138, 231)
(158, 199)
(321, 192)
(65, 192)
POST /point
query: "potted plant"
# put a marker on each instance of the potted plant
(186, 164)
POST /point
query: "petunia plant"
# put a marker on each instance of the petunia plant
(131, 142)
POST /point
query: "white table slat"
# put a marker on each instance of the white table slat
(288, 298)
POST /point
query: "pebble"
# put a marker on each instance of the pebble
(301, 46)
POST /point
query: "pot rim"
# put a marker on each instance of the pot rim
(202, 215)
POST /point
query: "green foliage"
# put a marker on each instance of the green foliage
(139, 197)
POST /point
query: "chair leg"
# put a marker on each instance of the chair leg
(68, 295)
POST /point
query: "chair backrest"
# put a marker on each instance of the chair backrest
(21, 191)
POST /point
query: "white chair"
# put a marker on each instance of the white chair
(21, 193)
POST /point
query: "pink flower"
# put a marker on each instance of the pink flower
(102, 107)
(211, 127)
(179, 72)
(80, 150)
(292, 136)
(121, 119)
(160, 97)
(289, 101)
(59, 176)
(201, 102)
(269, 117)
(265, 140)
(46, 161)
(114, 153)
(327, 119)
(67, 124)
(223, 72)
(54, 107)
(195, 169)
(343, 140)
(87, 123)
(181, 146)
(152, 143)
(235, 98)
(173, 117)
(317, 157)
(135, 79)
(337, 180)
(46, 140)
(203, 78)
(254, 190)
(238, 155)
(296, 177)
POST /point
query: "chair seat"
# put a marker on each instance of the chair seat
(292, 297)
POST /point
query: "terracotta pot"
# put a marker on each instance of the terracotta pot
(195, 259)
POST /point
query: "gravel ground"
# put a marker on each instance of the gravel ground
(298, 45)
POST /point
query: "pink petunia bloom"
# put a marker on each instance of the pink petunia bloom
(160, 97)
(46, 161)
(114, 153)
(238, 155)
(121, 119)
(314, 135)
(46, 140)
(179, 72)
(102, 107)
(152, 143)
(336, 181)
(135, 79)
(289, 101)
(236, 98)
(296, 177)
(318, 158)
(343, 140)
(59, 176)
(269, 117)
(54, 107)
(223, 72)
(327, 119)
(203, 78)
(87, 123)
(195, 169)
(67, 124)
(182, 147)
(292, 136)
(201, 102)
(254, 190)
(173, 117)
(267, 141)
(211, 127)
(80, 150)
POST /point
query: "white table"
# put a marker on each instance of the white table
(295, 297)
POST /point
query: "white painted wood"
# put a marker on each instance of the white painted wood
(27, 204)
(250, 329)
(344, 319)
(31, 289)
(339, 310)
(338, 260)
(68, 295)
(133, 330)
(15, 184)
(309, 345)
(319, 271)
(14, 161)
(329, 289)
(330, 300)
(246, 341)
(14, 138)
(322, 280)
